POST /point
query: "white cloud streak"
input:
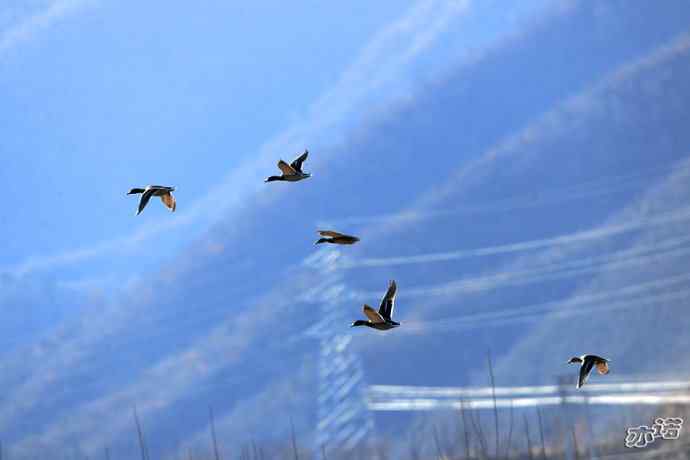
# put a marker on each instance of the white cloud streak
(589, 189)
(427, 404)
(605, 231)
(561, 119)
(29, 27)
(571, 307)
(541, 272)
(410, 391)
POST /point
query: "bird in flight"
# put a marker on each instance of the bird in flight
(291, 172)
(335, 238)
(587, 363)
(165, 194)
(381, 320)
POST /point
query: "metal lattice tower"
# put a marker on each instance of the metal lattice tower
(344, 419)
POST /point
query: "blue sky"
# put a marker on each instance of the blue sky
(487, 152)
(172, 95)
(159, 94)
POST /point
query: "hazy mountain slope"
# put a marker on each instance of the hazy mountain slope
(221, 323)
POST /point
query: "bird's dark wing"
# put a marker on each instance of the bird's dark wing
(388, 302)
(145, 197)
(373, 316)
(585, 370)
(297, 164)
(286, 168)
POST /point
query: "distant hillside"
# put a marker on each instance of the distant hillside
(223, 324)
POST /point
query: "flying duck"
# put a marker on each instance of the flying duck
(335, 238)
(587, 362)
(381, 320)
(165, 193)
(291, 172)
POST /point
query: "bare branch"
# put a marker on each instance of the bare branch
(465, 428)
(529, 441)
(541, 434)
(437, 444)
(509, 442)
(493, 397)
(294, 440)
(140, 433)
(216, 453)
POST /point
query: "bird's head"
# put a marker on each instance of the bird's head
(574, 360)
(359, 322)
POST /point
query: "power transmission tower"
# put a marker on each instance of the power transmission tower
(344, 419)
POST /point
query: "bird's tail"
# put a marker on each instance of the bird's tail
(134, 191)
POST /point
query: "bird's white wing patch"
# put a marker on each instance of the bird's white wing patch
(145, 197)
(585, 370)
